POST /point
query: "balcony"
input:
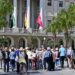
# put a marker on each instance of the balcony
(22, 31)
(19, 30)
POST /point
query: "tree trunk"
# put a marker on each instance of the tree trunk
(54, 41)
(67, 40)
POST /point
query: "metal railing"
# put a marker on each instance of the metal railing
(27, 31)
(20, 30)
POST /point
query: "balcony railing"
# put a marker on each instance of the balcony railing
(26, 31)
(21, 30)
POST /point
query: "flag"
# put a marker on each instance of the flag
(25, 21)
(39, 21)
(14, 21)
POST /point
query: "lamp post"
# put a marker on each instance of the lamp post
(44, 39)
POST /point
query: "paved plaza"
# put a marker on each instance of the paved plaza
(65, 71)
(58, 71)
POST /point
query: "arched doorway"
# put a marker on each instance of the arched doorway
(22, 43)
(6, 42)
(34, 42)
(60, 42)
(50, 42)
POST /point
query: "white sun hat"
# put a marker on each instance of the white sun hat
(48, 48)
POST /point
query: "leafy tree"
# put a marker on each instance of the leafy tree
(64, 21)
(5, 9)
(54, 28)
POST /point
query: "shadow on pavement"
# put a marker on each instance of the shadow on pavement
(58, 69)
(14, 73)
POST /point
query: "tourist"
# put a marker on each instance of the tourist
(69, 57)
(57, 62)
(12, 56)
(40, 64)
(52, 60)
(22, 60)
(46, 56)
(29, 53)
(17, 60)
(1, 57)
(6, 59)
(62, 52)
(34, 60)
(73, 59)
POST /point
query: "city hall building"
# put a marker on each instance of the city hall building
(19, 34)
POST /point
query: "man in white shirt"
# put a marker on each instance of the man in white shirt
(29, 53)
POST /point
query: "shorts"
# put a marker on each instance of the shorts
(69, 56)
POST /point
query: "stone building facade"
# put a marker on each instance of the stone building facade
(17, 33)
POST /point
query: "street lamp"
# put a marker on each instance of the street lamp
(44, 39)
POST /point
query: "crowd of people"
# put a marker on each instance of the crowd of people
(24, 59)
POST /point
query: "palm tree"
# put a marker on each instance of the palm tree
(53, 27)
(64, 21)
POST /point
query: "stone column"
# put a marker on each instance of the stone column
(32, 14)
(20, 14)
(14, 13)
(16, 42)
(26, 41)
(39, 42)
